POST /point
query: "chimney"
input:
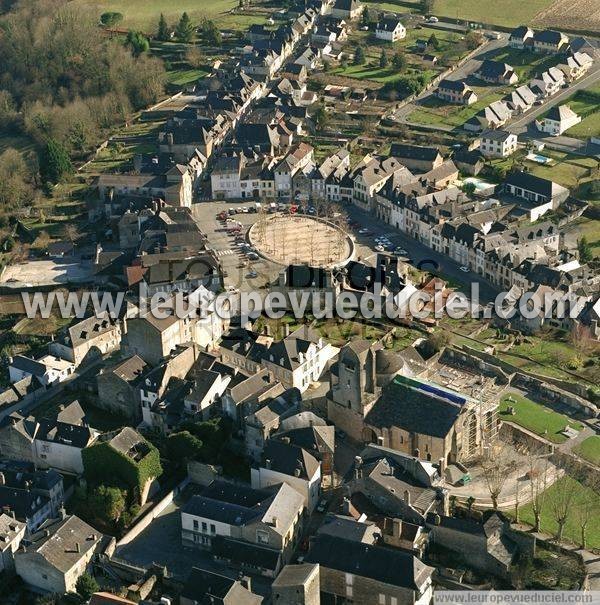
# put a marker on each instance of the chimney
(77, 547)
(442, 465)
(274, 522)
(396, 527)
(267, 330)
(246, 582)
(358, 467)
(346, 506)
(267, 463)
(285, 440)
(417, 453)
(2, 480)
(297, 472)
(286, 330)
(407, 497)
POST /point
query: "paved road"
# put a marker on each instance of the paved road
(458, 74)
(420, 253)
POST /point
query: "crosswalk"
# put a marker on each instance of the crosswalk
(221, 253)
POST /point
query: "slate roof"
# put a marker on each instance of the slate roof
(560, 113)
(414, 411)
(289, 459)
(245, 553)
(530, 182)
(207, 587)
(59, 548)
(415, 152)
(390, 566)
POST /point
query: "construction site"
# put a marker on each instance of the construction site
(292, 239)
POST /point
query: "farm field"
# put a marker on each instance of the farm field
(581, 495)
(144, 13)
(502, 12)
(583, 15)
(535, 417)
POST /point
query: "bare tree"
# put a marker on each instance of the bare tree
(562, 502)
(497, 463)
(538, 482)
(586, 510)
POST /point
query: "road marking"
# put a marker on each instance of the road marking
(224, 253)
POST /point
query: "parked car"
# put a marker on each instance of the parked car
(252, 274)
(464, 269)
(432, 20)
(322, 506)
(380, 248)
(400, 252)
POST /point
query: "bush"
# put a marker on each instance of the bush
(86, 586)
(110, 19)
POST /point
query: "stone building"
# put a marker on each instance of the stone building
(118, 387)
(297, 585)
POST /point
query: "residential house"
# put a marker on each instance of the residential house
(88, 339)
(299, 359)
(548, 83)
(521, 99)
(309, 58)
(498, 143)
(118, 390)
(208, 387)
(497, 72)
(576, 65)
(521, 37)
(57, 555)
(255, 530)
(559, 119)
(31, 496)
(346, 9)
(456, 91)
(535, 189)
(367, 574)
(265, 420)
(203, 587)
(12, 533)
(550, 41)
(56, 442)
(283, 462)
(373, 173)
(495, 115)
(390, 29)
(47, 370)
(417, 157)
(295, 160)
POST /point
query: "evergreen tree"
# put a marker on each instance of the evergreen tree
(185, 29)
(359, 55)
(383, 59)
(399, 61)
(163, 33)
(86, 586)
(585, 250)
(433, 42)
(137, 42)
(55, 163)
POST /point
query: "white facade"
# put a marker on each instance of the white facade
(309, 489)
(495, 147)
(398, 33)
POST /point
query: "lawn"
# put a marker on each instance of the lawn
(434, 111)
(501, 12)
(590, 449)
(535, 417)
(183, 77)
(572, 529)
(527, 64)
(586, 103)
(144, 13)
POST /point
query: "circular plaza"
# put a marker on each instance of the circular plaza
(301, 240)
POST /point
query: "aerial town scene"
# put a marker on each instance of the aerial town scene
(299, 302)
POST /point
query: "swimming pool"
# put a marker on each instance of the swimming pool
(538, 159)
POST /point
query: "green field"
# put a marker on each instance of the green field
(501, 12)
(572, 530)
(586, 103)
(144, 13)
(535, 417)
(436, 112)
(526, 63)
(590, 449)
